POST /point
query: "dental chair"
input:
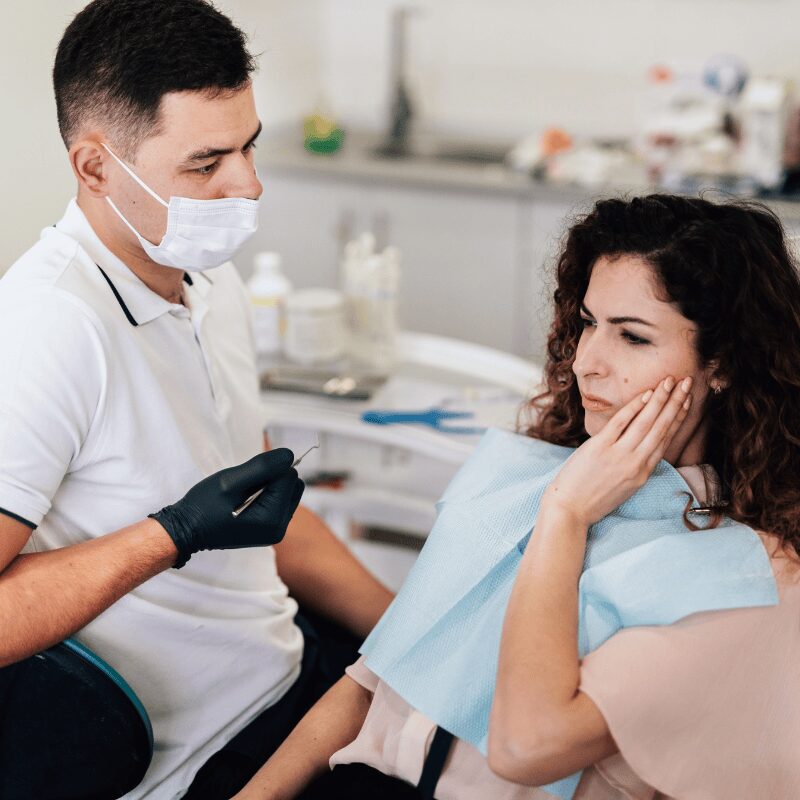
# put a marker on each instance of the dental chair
(396, 473)
(70, 728)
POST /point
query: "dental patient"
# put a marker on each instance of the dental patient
(608, 604)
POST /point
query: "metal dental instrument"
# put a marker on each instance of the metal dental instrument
(300, 458)
(250, 500)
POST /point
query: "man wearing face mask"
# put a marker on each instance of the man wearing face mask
(128, 377)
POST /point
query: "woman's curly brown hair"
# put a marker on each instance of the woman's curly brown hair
(728, 270)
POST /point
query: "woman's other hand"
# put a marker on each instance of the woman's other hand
(611, 466)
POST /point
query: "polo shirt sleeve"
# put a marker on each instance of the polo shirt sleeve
(52, 370)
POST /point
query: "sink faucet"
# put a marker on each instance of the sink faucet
(401, 109)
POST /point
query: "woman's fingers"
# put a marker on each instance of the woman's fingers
(668, 420)
(644, 422)
(648, 422)
(661, 448)
(617, 425)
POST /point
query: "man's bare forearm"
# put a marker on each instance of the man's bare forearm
(46, 597)
(330, 725)
(325, 576)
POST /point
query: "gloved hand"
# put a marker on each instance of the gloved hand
(203, 519)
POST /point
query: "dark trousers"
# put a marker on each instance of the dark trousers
(328, 650)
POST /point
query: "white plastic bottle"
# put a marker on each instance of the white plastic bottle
(268, 290)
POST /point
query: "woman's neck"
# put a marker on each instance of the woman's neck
(688, 447)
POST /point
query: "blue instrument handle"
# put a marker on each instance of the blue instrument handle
(432, 416)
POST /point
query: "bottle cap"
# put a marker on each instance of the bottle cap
(267, 261)
(367, 243)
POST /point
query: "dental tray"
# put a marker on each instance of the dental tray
(343, 385)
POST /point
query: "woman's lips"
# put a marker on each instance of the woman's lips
(594, 403)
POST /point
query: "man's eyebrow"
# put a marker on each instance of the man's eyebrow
(620, 320)
(202, 155)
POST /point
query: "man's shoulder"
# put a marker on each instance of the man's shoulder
(42, 264)
(49, 295)
(55, 279)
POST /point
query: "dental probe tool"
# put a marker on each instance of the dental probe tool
(252, 497)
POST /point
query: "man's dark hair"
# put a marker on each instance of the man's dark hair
(118, 58)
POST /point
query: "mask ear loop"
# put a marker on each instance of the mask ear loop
(122, 217)
(142, 184)
(135, 177)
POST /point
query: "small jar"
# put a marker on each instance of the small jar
(314, 326)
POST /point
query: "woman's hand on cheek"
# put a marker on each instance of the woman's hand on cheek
(610, 467)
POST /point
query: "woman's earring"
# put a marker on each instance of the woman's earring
(717, 389)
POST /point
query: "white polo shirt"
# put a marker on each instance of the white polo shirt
(113, 403)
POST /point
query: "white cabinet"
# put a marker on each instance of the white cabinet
(543, 226)
(460, 265)
(463, 274)
(300, 218)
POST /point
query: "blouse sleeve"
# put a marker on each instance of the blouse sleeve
(362, 675)
(707, 707)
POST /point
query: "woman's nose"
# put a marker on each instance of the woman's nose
(590, 357)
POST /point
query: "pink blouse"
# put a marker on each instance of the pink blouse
(704, 709)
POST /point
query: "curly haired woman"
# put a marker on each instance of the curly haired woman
(622, 618)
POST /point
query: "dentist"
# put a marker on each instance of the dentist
(128, 376)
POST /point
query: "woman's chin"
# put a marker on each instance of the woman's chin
(595, 421)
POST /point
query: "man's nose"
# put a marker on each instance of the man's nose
(246, 182)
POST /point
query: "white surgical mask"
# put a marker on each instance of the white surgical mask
(201, 234)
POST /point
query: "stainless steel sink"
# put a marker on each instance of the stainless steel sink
(461, 153)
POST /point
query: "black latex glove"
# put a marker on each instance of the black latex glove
(203, 519)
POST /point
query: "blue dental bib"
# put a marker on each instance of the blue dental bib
(437, 645)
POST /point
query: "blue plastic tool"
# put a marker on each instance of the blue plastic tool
(434, 417)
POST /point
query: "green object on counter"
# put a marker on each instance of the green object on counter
(328, 144)
(321, 134)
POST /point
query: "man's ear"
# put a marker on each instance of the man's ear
(90, 160)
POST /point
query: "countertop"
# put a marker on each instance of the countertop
(283, 153)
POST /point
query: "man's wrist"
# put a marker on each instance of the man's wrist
(165, 542)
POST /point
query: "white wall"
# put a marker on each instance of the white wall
(37, 180)
(507, 67)
(497, 67)
(288, 36)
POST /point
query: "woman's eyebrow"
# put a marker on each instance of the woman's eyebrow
(620, 320)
